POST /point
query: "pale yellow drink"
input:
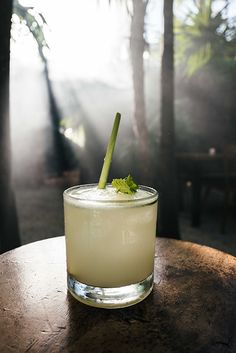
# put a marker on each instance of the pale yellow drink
(110, 236)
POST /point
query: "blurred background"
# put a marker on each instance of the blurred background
(169, 69)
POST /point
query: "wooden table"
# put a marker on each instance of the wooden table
(191, 166)
(191, 309)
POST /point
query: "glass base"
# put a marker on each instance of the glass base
(110, 298)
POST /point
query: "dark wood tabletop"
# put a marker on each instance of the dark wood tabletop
(192, 307)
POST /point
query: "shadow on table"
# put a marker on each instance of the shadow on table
(191, 309)
(140, 328)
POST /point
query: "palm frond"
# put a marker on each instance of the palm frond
(203, 36)
(35, 22)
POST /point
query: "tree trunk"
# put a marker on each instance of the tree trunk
(168, 220)
(137, 45)
(9, 235)
(56, 157)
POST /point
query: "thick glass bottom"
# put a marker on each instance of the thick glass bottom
(110, 298)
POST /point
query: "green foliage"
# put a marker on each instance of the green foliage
(126, 185)
(36, 24)
(204, 37)
(199, 59)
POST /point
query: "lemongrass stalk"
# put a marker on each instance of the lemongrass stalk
(109, 153)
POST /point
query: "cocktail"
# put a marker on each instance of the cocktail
(110, 243)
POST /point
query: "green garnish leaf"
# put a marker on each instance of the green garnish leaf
(126, 185)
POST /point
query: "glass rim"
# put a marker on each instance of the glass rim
(151, 198)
